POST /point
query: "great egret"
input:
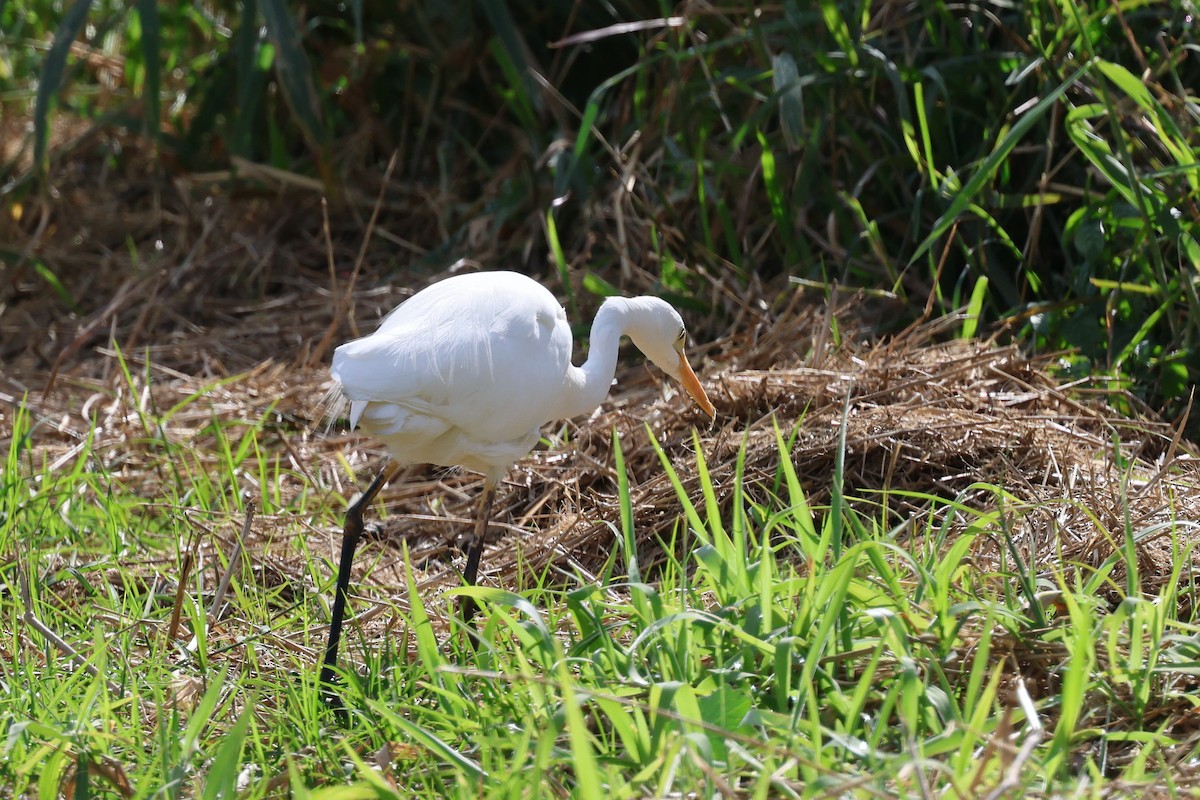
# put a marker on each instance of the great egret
(466, 372)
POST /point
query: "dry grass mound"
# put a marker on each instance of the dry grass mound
(913, 416)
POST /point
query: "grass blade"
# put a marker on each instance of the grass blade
(832, 14)
(512, 55)
(975, 308)
(51, 77)
(429, 741)
(774, 187)
(151, 41)
(689, 508)
(427, 644)
(984, 172)
(587, 770)
(295, 73)
(252, 67)
(560, 261)
(221, 782)
(786, 81)
(628, 540)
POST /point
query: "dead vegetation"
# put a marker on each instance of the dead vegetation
(221, 308)
(231, 299)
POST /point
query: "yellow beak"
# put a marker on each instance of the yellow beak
(692, 384)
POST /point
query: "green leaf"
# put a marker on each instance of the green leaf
(511, 54)
(1174, 380)
(1164, 124)
(629, 724)
(202, 716)
(221, 782)
(594, 284)
(985, 171)
(926, 139)
(1089, 239)
(1099, 152)
(51, 76)
(693, 516)
(453, 758)
(427, 645)
(151, 41)
(628, 537)
(252, 59)
(786, 80)
(726, 708)
(773, 186)
(1143, 332)
(517, 95)
(586, 125)
(45, 273)
(295, 72)
(975, 308)
(587, 770)
(560, 260)
(831, 13)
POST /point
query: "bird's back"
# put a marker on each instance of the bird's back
(463, 373)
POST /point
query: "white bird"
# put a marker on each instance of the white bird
(467, 371)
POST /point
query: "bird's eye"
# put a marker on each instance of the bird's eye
(682, 337)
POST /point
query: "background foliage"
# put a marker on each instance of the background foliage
(1027, 170)
(1040, 154)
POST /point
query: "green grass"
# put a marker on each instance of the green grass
(790, 650)
(1030, 166)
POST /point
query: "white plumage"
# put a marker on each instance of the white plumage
(466, 372)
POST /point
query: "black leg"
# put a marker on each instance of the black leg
(475, 548)
(351, 532)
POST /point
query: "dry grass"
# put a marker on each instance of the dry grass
(239, 293)
(225, 305)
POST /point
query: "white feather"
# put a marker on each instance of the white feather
(468, 370)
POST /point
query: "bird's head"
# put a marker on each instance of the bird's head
(657, 330)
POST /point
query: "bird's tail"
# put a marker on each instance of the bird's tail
(333, 406)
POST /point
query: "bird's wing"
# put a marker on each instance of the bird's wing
(423, 366)
(487, 363)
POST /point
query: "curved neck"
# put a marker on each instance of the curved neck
(588, 385)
